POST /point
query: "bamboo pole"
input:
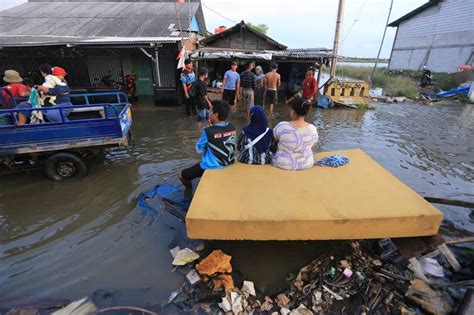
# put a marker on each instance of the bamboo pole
(340, 14)
(381, 44)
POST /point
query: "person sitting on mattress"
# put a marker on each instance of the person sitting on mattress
(217, 144)
(295, 139)
(255, 139)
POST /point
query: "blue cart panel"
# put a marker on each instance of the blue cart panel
(109, 126)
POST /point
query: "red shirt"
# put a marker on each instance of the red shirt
(310, 86)
(16, 89)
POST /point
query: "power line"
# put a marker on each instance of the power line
(215, 12)
(356, 20)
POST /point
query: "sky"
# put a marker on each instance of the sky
(310, 23)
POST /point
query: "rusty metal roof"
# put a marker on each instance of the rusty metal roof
(58, 22)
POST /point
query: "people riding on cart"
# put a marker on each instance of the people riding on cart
(53, 93)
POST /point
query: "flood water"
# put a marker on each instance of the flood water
(68, 239)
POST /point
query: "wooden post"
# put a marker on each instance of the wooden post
(340, 14)
(381, 43)
(318, 80)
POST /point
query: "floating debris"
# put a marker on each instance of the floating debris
(216, 262)
(183, 256)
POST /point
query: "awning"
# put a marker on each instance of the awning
(223, 54)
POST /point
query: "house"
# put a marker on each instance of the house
(439, 35)
(93, 39)
(243, 43)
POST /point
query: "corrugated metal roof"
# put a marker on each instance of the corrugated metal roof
(291, 54)
(25, 41)
(303, 53)
(37, 20)
(415, 12)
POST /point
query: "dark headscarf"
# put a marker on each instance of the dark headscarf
(258, 125)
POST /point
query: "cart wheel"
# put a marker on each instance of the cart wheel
(65, 165)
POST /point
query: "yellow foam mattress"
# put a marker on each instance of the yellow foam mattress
(360, 200)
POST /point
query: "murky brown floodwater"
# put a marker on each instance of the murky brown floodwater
(66, 240)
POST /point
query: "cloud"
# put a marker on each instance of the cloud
(7, 4)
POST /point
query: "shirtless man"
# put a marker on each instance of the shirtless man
(272, 82)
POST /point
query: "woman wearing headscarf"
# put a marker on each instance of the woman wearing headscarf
(255, 139)
(260, 81)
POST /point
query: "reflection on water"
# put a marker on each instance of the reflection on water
(65, 240)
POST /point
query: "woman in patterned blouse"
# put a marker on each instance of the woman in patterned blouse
(295, 139)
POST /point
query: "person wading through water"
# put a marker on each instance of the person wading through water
(188, 78)
(247, 88)
(231, 85)
(272, 83)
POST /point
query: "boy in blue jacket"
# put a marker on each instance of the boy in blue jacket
(216, 145)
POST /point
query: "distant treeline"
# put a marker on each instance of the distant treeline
(356, 59)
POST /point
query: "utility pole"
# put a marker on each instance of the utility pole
(340, 14)
(381, 44)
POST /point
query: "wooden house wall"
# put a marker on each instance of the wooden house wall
(249, 42)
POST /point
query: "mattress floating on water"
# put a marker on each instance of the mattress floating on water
(360, 200)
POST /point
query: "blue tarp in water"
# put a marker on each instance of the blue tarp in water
(173, 194)
(323, 102)
(461, 90)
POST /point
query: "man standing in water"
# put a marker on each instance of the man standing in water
(272, 83)
(187, 79)
(247, 88)
(231, 85)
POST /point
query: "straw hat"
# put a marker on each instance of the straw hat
(11, 76)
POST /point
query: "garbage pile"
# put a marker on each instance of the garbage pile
(354, 283)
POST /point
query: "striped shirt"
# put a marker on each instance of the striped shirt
(248, 80)
(251, 155)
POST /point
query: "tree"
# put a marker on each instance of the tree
(262, 28)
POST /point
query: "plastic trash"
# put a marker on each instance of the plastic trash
(248, 288)
(174, 251)
(432, 267)
(301, 310)
(282, 300)
(184, 256)
(223, 281)
(216, 262)
(453, 92)
(347, 272)
(233, 302)
(323, 102)
(79, 307)
(345, 264)
(432, 301)
(337, 296)
(173, 296)
(193, 277)
(377, 262)
(318, 296)
(333, 161)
